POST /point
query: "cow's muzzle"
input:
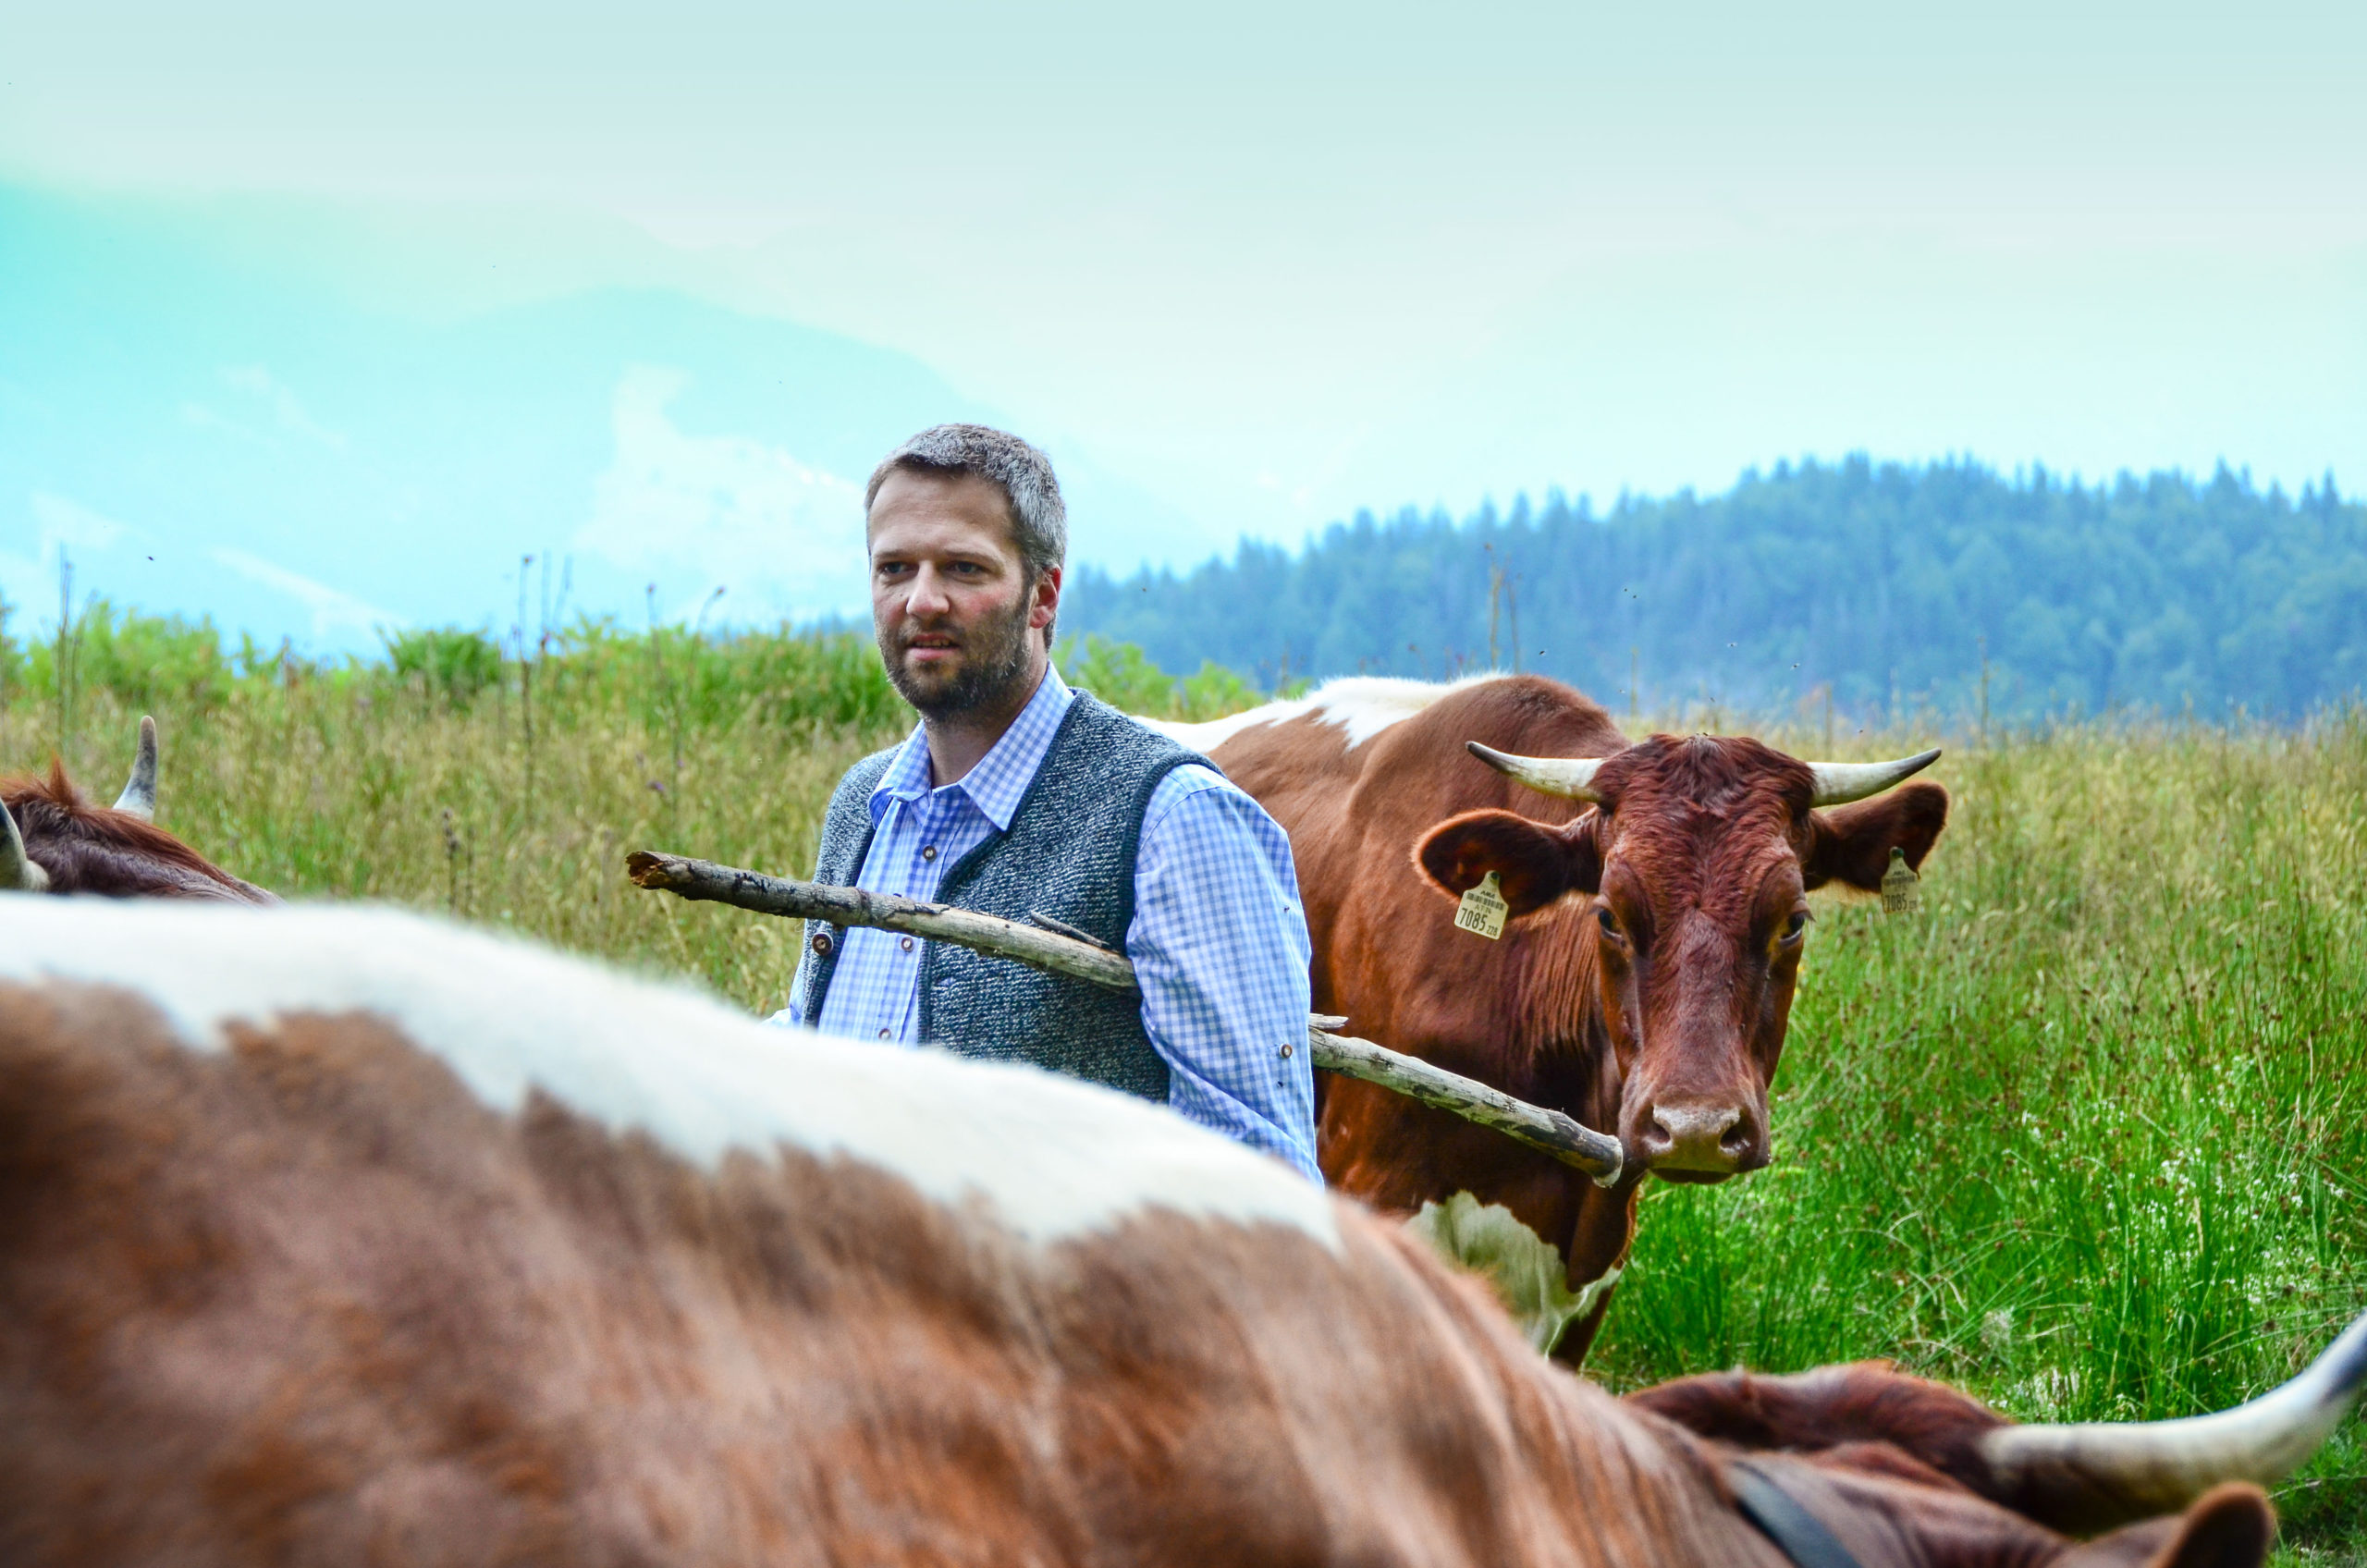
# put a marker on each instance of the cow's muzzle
(1701, 1141)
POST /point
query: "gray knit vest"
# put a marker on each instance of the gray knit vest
(1069, 853)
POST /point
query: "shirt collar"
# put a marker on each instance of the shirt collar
(1001, 778)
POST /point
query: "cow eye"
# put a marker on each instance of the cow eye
(1795, 927)
(1608, 921)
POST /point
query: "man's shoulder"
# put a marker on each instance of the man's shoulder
(1091, 716)
(853, 792)
(1104, 751)
(1197, 792)
(1191, 779)
(865, 775)
(846, 822)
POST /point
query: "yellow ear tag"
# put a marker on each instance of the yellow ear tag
(1900, 884)
(1483, 909)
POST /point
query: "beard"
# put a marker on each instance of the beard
(993, 663)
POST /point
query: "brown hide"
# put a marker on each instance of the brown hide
(1665, 1030)
(95, 848)
(305, 1301)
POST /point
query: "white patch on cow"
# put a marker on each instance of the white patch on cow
(1053, 1157)
(1208, 737)
(1364, 705)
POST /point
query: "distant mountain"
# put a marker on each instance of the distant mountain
(1886, 581)
(198, 438)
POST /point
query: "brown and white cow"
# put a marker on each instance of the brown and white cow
(1645, 980)
(53, 840)
(332, 1236)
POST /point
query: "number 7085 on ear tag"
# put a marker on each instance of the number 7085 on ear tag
(1483, 910)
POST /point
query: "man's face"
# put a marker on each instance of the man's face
(951, 603)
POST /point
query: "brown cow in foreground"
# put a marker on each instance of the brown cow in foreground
(1645, 980)
(339, 1236)
(52, 841)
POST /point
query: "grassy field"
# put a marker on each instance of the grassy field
(2086, 1136)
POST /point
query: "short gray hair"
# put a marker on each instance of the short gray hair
(1039, 519)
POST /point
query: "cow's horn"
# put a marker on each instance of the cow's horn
(1838, 783)
(19, 873)
(138, 795)
(1571, 778)
(2091, 1476)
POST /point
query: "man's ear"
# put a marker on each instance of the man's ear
(2228, 1526)
(1852, 845)
(1534, 864)
(1045, 599)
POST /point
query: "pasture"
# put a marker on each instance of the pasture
(2086, 1136)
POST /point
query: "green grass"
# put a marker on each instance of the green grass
(2086, 1136)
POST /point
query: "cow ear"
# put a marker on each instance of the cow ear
(1534, 864)
(2228, 1526)
(1852, 845)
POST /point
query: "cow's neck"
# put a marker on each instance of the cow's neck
(1558, 1019)
(1672, 1506)
(1572, 1067)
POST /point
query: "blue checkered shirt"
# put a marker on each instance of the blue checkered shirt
(1217, 941)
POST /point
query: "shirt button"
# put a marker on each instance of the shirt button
(1286, 1053)
(883, 1033)
(822, 943)
(906, 944)
(928, 851)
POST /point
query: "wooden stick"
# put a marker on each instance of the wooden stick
(754, 891)
(1548, 1132)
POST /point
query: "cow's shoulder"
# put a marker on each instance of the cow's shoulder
(1532, 713)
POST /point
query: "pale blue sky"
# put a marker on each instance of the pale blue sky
(1269, 264)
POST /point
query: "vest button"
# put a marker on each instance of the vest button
(822, 944)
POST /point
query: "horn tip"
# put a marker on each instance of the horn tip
(2346, 1361)
(139, 796)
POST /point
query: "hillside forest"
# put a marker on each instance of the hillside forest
(1890, 587)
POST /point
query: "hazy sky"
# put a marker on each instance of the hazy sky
(1274, 261)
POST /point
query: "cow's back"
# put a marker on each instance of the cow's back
(336, 1238)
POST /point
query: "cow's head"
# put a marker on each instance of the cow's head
(52, 841)
(1885, 1461)
(1693, 866)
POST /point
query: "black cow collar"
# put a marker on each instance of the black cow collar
(1798, 1534)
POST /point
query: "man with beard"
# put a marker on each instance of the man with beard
(1019, 797)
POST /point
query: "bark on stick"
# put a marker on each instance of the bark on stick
(1548, 1132)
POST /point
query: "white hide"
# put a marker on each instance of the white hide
(1364, 705)
(1052, 1157)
